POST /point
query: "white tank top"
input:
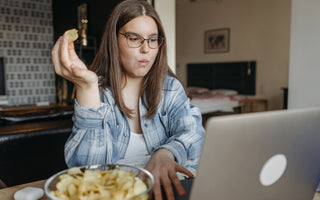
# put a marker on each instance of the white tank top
(137, 153)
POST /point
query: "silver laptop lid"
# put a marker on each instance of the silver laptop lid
(270, 155)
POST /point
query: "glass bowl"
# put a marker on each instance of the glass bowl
(144, 175)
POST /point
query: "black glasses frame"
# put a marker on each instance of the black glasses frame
(160, 40)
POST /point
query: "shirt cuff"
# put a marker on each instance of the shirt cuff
(89, 117)
(177, 150)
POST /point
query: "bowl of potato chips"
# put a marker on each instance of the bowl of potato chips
(105, 181)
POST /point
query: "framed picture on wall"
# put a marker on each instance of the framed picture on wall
(217, 40)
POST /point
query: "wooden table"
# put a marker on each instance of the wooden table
(8, 193)
(253, 105)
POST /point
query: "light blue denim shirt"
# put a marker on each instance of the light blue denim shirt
(102, 136)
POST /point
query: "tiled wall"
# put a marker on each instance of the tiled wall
(26, 39)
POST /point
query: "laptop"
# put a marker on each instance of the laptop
(269, 155)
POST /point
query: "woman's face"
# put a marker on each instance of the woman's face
(138, 61)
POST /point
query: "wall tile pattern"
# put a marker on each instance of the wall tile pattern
(26, 40)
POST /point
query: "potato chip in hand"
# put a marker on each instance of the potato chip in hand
(73, 34)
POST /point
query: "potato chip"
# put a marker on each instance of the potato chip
(73, 34)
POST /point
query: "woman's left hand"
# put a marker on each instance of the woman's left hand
(164, 168)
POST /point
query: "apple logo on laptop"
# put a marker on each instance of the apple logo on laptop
(273, 169)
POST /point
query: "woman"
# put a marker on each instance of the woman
(129, 106)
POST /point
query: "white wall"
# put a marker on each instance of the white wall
(167, 12)
(259, 30)
(304, 68)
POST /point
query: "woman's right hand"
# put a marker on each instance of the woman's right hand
(68, 65)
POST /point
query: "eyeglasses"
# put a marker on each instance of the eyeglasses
(135, 40)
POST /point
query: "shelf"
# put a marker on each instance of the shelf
(33, 110)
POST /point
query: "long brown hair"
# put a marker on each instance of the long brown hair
(107, 62)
